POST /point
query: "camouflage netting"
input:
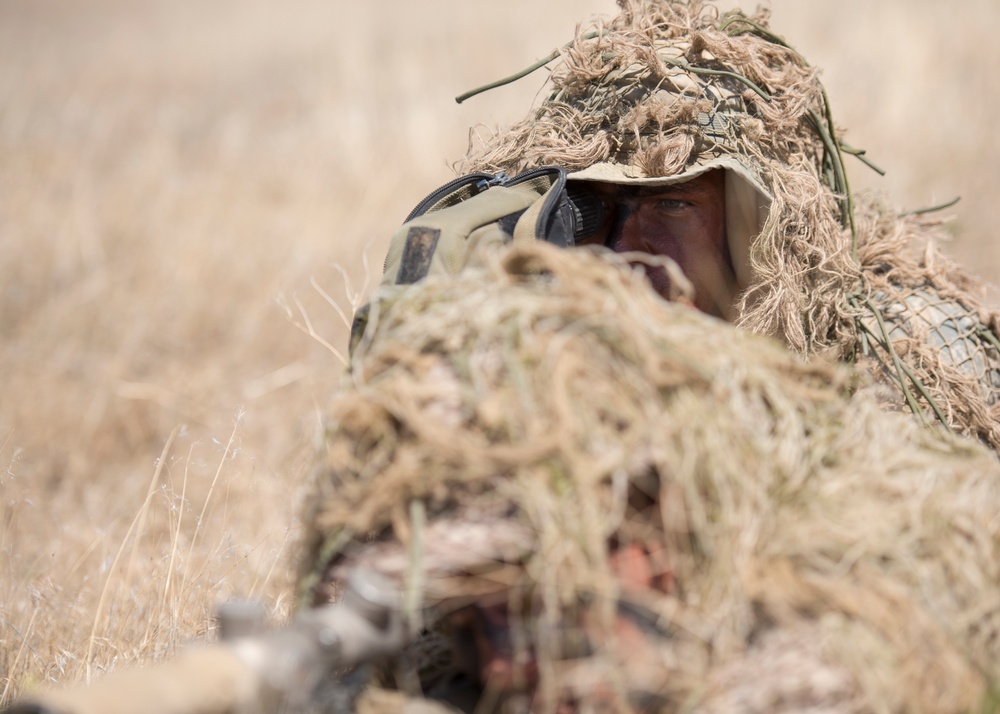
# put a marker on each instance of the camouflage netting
(518, 425)
(670, 83)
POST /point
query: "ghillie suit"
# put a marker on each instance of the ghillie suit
(670, 89)
(649, 509)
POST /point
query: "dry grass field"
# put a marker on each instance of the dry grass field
(194, 194)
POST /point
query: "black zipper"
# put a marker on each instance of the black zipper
(483, 181)
(551, 201)
(447, 189)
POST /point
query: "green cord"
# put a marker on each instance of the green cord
(840, 185)
(987, 334)
(931, 209)
(861, 155)
(524, 72)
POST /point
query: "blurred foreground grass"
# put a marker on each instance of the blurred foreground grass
(186, 189)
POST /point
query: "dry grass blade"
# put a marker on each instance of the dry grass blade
(133, 528)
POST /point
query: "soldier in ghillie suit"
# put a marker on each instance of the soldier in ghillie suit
(598, 500)
(705, 138)
(612, 503)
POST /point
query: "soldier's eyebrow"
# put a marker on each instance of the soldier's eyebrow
(685, 188)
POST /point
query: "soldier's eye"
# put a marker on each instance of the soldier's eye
(672, 205)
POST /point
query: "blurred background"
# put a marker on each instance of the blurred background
(193, 197)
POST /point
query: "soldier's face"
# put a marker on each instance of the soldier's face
(685, 222)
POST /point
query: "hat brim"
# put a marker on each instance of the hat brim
(748, 202)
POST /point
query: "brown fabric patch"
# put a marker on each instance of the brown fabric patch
(420, 244)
